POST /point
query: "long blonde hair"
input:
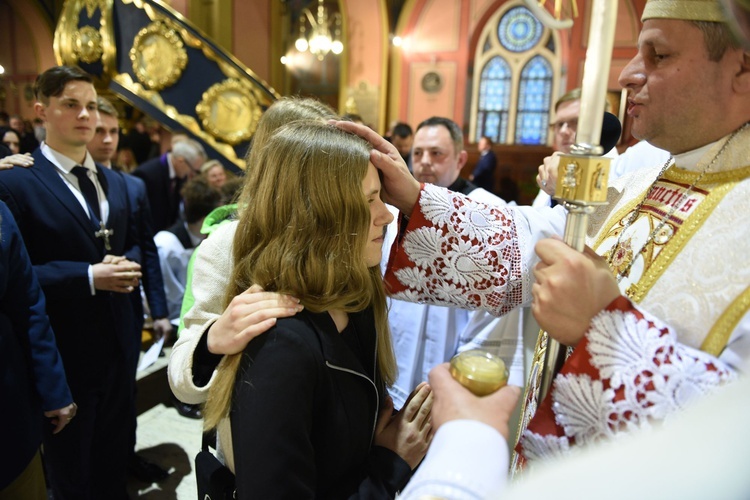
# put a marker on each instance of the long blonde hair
(304, 233)
(285, 110)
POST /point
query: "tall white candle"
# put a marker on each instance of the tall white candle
(596, 72)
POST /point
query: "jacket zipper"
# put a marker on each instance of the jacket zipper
(377, 395)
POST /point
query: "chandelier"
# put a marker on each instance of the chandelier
(320, 40)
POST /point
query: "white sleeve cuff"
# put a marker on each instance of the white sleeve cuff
(466, 461)
(91, 279)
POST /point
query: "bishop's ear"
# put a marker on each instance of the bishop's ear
(742, 78)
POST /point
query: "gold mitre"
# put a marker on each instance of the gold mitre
(687, 10)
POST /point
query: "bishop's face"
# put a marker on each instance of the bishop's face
(677, 97)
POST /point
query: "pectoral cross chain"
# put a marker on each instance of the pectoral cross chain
(104, 233)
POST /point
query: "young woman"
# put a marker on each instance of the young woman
(307, 400)
(196, 353)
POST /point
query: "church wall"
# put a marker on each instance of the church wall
(25, 50)
(441, 37)
(251, 36)
(364, 60)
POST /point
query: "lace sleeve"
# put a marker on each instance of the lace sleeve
(629, 371)
(459, 253)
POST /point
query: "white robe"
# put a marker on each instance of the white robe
(694, 289)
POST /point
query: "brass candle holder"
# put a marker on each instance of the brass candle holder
(479, 371)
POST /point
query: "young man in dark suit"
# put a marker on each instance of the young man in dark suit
(74, 217)
(103, 148)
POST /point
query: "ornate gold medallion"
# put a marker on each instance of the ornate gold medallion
(158, 56)
(229, 111)
(87, 44)
(620, 257)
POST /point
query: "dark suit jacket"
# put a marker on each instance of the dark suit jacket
(179, 230)
(484, 172)
(60, 239)
(32, 378)
(303, 394)
(145, 253)
(165, 204)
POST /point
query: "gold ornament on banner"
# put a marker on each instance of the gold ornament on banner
(87, 44)
(229, 111)
(158, 56)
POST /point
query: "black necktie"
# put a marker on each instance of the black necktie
(88, 190)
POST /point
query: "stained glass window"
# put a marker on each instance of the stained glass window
(494, 100)
(534, 94)
(519, 30)
(515, 88)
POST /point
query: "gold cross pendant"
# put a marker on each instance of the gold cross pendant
(105, 233)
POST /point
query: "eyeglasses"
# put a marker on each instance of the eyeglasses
(571, 124)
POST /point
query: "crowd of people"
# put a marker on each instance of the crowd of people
(314, 295)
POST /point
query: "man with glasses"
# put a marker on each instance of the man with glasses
(564, 126)
(164, 177)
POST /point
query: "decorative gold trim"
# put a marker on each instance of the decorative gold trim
(91, 6)
(186, 121)
(617, 218)
(158, 56)
(676, 174)
(718, 336)
(530, 401)
(229, 110)
(87, 44)
(195, 42)
(71, 41)
(681, 238)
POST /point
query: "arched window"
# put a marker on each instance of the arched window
(494, 98)
(518, 72)
(534, 101)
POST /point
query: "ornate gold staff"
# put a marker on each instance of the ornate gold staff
(581, 187)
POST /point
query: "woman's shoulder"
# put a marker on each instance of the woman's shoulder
(296, 333)
(291, 343)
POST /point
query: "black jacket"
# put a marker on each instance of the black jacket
(304, 414)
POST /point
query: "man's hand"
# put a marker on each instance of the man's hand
(113, 259)
(17, 160)
(61, 417)
(162, 328)
(407, 433)
(571, 288)
(547, 176)
(400, 188)
(455, 402)
(122, 277)
(248, 315)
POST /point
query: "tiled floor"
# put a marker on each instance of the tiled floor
(164, 437)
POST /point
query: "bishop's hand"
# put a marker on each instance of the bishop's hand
(571, 288)
(400, 188)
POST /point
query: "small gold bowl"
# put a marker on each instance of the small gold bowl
(479, 371)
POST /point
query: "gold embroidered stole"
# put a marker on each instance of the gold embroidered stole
(652, 259)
